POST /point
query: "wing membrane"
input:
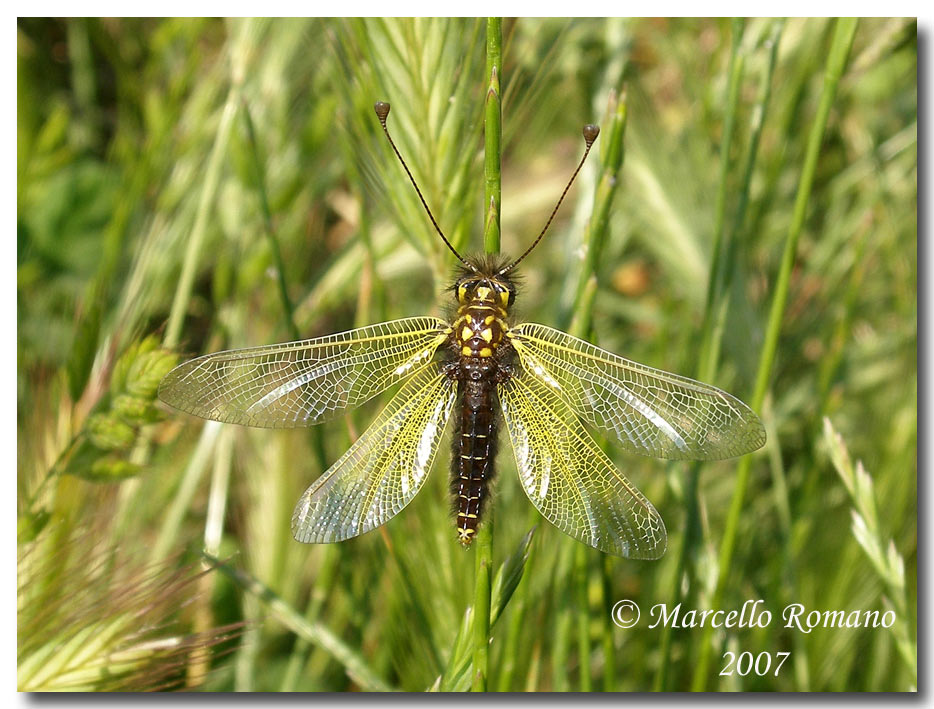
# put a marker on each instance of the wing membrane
(570, 480)
(384, 469)
(652, 412)
(302, 383)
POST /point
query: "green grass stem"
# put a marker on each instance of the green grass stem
(492, 162)
(193, 250)
(194, 472)
(481, 617)
(85, 82)
(612, 152)
(609, 646)
(508, 577)
(582, 605)
(324, 579)
(844, 31)
(564, 633)
(717, 301)
(259, 174)
(493, 131)
(288, 307)
(219, 491)
(717, 286)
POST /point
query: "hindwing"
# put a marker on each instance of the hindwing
(570, 480)
(384, 468)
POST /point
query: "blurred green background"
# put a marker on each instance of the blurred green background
(163, 163)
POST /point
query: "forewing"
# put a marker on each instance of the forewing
(570, 480)
(384, 469)
(302, 383)
(652, 412)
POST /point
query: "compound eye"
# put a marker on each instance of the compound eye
(506, 296)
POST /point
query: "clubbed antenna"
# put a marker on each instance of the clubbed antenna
(590, 135)
(382, 111)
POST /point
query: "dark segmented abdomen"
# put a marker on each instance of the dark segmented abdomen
(474, 450)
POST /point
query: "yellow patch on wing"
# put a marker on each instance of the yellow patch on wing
(384, 468)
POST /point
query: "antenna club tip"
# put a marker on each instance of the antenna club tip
(590, 133)
(382, 110)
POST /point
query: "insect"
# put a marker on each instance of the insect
(545, 383)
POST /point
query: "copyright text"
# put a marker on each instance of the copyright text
(752, 614)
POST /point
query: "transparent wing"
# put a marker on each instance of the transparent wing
(302, 383)
(384, 469)
(652, 412)
(570, 480)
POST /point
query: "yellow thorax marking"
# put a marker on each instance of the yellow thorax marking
(485, 352)
(488, 320)
(486, 334)
(466, 333)
(481, 306)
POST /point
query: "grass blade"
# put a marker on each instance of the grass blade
(844, 30)
(717, 302)
(316, 633)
